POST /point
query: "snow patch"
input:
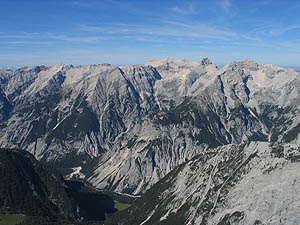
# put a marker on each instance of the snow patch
(76, 173)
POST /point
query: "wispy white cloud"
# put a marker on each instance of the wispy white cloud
(272, 29)
(92, 4)
(25, 42)
(166, 29)
(17, 36)
(282, 30)
(185, 10)
(269, 31)
(22, 38)
(111, 28)
(21, 35)
(104, 37)
(81, 4)
(265, 2)
(226, 5)
(197, 30)
(86, 39)
(165, 32)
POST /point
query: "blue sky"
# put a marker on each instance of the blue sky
(35, 32)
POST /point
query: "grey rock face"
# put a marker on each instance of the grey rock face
(252, 183)
(129, 126)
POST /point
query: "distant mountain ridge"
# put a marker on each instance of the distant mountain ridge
(134, 124)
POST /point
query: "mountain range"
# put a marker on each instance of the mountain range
(191, 135)
(124, 128)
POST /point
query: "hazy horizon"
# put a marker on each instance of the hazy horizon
(297, 68)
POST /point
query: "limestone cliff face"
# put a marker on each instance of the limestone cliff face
(128, 126)
(252, 183)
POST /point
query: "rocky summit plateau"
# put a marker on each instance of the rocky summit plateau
(203, 140)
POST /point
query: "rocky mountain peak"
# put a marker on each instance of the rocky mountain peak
(58, 65)
(249, 62)
(205, 61)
